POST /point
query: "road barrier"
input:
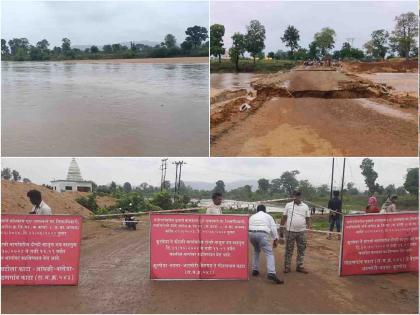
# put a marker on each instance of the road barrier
(198, 247)
(40, 250)
(380, 243)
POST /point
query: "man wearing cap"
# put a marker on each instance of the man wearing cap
(295, 221)
(261, 228)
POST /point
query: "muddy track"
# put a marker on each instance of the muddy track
(315, 113)
(115, 271)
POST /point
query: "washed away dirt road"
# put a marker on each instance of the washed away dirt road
(114, 278)
(316, 112)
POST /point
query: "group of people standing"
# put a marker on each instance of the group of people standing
(264, 234)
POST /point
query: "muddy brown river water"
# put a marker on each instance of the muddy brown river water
(104, 109)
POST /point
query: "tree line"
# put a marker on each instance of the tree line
(399, 42)
(195, 44)
(145, 197)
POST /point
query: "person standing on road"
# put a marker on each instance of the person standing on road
(390, 205)
(261, 227)
(296, 219)
(335, 204)
(372, 206)
(215, 208)
(39, 206)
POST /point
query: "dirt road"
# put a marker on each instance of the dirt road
(114, 279)
(317, 113)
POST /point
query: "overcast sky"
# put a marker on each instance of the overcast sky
(100, 22)
(138, 170)
(350, 19)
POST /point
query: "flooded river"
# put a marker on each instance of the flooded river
(229, 81)
(105, 109)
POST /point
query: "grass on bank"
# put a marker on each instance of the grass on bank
(245, 65)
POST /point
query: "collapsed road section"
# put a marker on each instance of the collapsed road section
(319, 111)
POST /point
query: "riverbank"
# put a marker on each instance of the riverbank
(260, 66)
(174, 60)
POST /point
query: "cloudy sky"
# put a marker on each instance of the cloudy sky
(138, 170)
(100, 22)
(350, 19)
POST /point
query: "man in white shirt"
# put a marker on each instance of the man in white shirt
(296, 221)
(215, 208)
(261, 228)
(39, 206)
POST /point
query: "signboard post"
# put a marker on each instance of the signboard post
(198, 247)
(40, 249)
(380, 243)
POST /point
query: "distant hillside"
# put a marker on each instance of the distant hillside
(14, 199)
(127, 44)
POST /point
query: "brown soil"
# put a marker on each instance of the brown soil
(397, 65)
(317, 127)
(189, 60)
(114, 278)
(14, 199)
(300, 113)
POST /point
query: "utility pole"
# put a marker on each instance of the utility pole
(342, 179)
(163, 174)
(176, 177)
(179, 178)
(332, 178)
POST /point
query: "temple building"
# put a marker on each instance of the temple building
(74, 181)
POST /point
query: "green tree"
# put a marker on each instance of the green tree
(66, 46)
(4, 48)
(163, 200)
(411, 183)
(16, 176)
(271, 55)
(369, 174)
(113, 187)
(238, 48)
(17, 44)
(217, 31)
(390, 189)
(291, 38)
(116, 48)
(263, 185)
(325, 40)
(127, 187)
(6, 173)
(170, 41)
(187, 45)
(351, 189)
(313, 52)
(308, 191)
(94, 49)
(254, 38)
(196, 35)
(403, 38)
(288, 181)
(107, 49)
(379, 43)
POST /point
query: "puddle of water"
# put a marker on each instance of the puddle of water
(386, 110)
(229, 81)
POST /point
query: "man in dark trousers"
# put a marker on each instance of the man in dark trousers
(335, 204)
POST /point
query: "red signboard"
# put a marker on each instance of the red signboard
(380, 243)
(40, 249)
(195, 246)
